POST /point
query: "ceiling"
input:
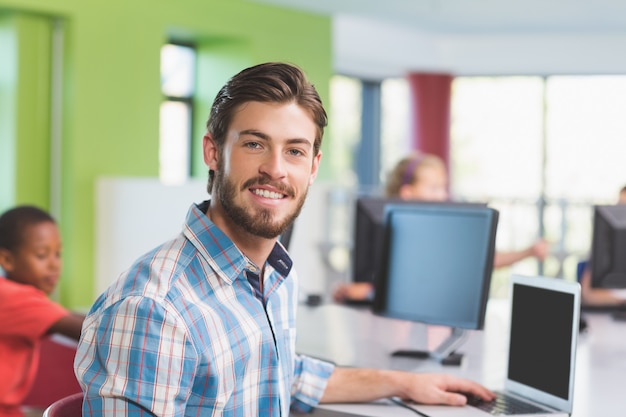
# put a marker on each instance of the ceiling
(476, 37)
(478, 16)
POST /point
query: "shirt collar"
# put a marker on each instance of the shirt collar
(221, 253)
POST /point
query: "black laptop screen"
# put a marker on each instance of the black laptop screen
(541, 339)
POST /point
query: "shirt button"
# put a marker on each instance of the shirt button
(252, 268)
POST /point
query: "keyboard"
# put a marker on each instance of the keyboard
(504, 405)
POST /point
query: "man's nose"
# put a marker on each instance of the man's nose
(274, 165)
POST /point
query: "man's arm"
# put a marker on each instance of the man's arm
(361, 385)
(69, 325)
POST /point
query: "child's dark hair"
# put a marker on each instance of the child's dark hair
(14, 221)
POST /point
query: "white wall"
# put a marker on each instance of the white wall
(400, 49)
(313, 245)
(134, 215)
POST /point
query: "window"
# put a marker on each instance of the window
(395, 134)
(345, 126)
(542, 150)
(177, 85)
(496, 138)
(352, 111)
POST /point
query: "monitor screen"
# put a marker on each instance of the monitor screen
(608, 247)
(437, 264)
(368, 232)
(285, 237)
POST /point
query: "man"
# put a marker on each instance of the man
(205, 324)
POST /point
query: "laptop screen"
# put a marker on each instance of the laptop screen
(544, 329)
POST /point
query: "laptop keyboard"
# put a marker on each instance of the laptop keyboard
(504, 405)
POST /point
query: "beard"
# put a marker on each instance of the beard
(260, 222)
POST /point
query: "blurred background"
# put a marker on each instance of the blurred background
(103, 107)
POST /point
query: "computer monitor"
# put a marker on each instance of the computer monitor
(368, 233)
(608, 247)
(285, 237)
(436, 269)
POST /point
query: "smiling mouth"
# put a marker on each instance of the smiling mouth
(52, 280)
(268, 194)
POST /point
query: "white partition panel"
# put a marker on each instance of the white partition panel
(133, 215)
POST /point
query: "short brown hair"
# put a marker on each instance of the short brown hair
(271, 82)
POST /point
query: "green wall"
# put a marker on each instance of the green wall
(111, 95)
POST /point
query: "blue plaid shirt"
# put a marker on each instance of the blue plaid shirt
(183, 333)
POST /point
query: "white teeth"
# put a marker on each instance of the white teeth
(268, 194)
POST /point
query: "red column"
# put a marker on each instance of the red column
(430, 99)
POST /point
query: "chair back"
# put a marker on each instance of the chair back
(70, 406)
(55, 376)
(580, 268)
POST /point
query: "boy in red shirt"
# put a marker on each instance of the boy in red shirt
(30, 256)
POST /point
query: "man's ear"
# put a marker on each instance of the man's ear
(315, 168)
(209, 149)
(6, 260)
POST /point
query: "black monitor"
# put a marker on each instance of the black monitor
(436, 269)
(608, 247)
(285, 237)
(369, 232)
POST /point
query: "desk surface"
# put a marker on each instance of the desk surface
(352, 336)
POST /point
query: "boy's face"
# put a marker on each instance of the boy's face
(37, 260)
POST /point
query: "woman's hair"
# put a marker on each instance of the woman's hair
(14, 221)
(272, 82)
(407, 171)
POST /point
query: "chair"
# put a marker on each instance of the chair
(580, 268)
(70, 406)
(55, 376)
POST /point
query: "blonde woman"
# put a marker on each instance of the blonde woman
(423, 177)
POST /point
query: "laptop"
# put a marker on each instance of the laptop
(543, 335)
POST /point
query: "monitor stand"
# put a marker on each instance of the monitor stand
(444, 353)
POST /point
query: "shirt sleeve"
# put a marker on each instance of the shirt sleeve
(27, 311)
(135, 357)
(310, 380)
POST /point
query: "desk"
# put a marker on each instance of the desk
(352, 336)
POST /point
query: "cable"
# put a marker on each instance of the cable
(401, 403)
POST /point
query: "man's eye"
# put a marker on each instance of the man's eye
(252, 145)
(296, 152)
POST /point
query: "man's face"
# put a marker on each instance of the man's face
(266, 167)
